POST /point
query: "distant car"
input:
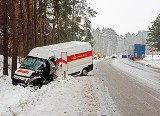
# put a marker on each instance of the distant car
(124, 56)
(94, 56)
(113, 56)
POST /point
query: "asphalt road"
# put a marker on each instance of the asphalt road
(132, 96)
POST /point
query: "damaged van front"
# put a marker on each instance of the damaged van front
(30, 72)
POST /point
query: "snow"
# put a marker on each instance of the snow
(140, 71)
(71, 96)
(151, 61)
(62, 97)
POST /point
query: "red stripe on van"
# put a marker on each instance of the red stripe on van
(79, 56)
(75, 57)
(23, 71)
(61, 60)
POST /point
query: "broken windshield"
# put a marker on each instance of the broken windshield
(32, 63)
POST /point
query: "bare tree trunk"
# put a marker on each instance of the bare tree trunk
(55, 30)
(66, 22)
(22, 28)
(29, 25)
(15, 39)
(53, 26)
(44, 23)
(25, 44)
(73, 18)
(5, 40)
(40, 23)
(35, 23)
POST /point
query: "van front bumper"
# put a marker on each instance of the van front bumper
(18, 80)
(26, 81)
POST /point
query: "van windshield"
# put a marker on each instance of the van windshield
(32, 63)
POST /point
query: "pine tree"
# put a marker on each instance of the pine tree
(15, 39)
(5, 39)
(154, 33)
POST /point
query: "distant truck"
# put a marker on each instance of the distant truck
(136, 51)
(44, 63)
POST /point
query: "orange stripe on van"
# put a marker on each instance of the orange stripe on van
(75, 57)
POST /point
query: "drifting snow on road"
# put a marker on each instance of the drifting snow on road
(133, 86)
(139, 72)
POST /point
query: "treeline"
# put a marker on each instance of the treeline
(25, 24)
(154, 34)
(105, 41)
(108, 42)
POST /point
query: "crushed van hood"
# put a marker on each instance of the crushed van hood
(24, 72)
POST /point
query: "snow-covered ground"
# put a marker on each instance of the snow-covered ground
(82, 96)
(60, 97)
(63, 97)
(150, 60)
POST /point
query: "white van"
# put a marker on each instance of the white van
(44, 63)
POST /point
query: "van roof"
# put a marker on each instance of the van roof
(56, 49)
(64, 45)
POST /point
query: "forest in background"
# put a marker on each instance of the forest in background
(108, 42)
(25, 24)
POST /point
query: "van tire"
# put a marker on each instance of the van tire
(14, 83)
(39, 85)
(84, 72)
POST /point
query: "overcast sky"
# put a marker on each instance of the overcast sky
(125, 15)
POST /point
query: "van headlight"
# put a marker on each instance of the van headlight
(19, 77)
(31, 80)
(15, 76)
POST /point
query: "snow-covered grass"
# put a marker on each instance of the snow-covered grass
(12, 96)
(60, 97)
(150, 60)
(72, 96)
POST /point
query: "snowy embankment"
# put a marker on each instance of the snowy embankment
(150, 60)
(70, 97)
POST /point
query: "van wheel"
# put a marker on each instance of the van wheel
(84, 72)
(13, 83)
